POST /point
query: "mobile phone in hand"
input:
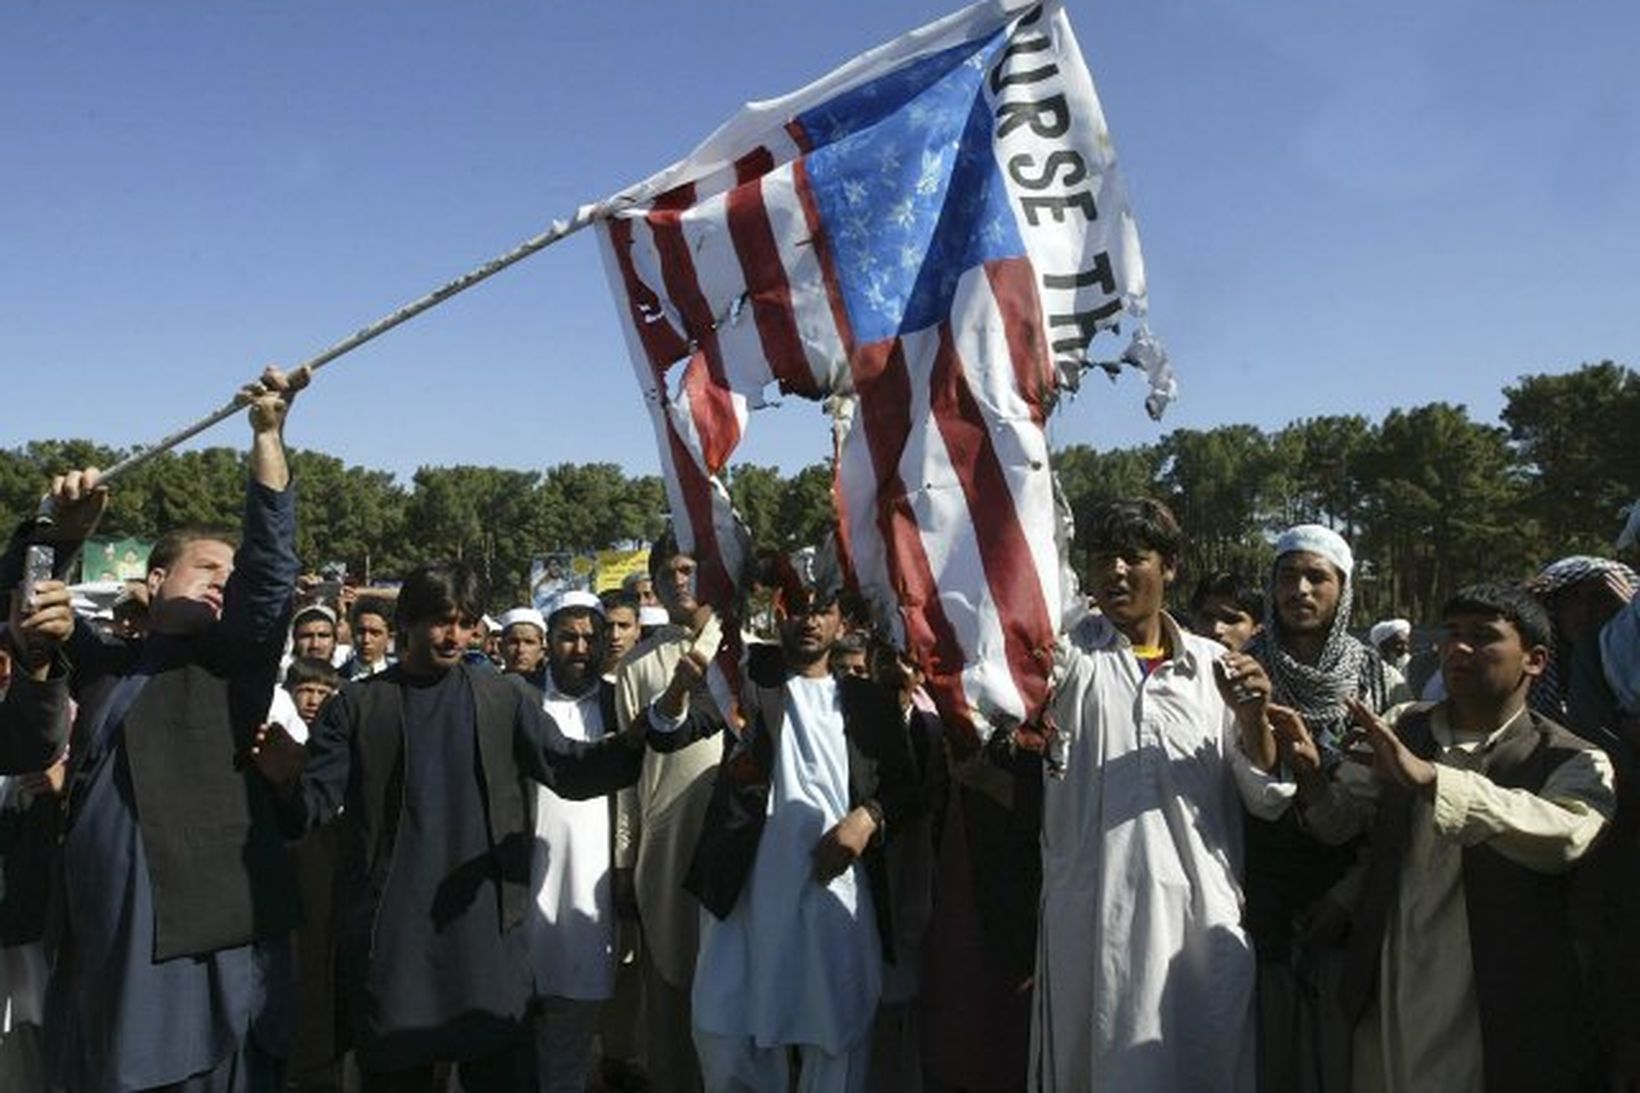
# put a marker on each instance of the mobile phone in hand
(38, 563)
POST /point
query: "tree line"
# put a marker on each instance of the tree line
(1430, 498)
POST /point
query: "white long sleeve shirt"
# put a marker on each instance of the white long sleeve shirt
(1144, 974)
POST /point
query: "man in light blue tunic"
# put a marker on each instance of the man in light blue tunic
(789, 869)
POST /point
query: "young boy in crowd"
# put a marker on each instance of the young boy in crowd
(310, 682)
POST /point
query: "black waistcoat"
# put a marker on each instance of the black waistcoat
(1536, 1033)
(216, 858)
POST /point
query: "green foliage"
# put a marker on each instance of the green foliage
(1578, 436)
(781, 513)
(1429, 498)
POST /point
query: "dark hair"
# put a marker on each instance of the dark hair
(621, 597)
(168, 547)
(1141, 523)
(852, 641)
(1501, 600)
(371, 605)
(664, 550)
(437, 588)
(1231, 585)
(854, 606)
(311, 670)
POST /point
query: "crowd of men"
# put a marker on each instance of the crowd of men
(270, 835)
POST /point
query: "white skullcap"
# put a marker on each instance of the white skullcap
(1316, 539)
(314, 609)
(523, 614)
(1382, 631)
(574, 597)
(489, 624)
(653, 616)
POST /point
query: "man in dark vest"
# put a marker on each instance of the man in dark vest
(1460, 972)
(430, 766)
(790, 865)
(176, 895)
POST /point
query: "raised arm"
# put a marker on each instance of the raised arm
(257, 600)
(683, 712)
(34, 718)
(574, 769)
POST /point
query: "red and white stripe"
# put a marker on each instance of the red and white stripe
(947, 498)
(943, 489)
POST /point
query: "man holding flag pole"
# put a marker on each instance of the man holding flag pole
(175, 896)
(928, 240)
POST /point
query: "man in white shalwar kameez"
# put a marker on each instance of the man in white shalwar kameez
(572, 929)
(795, 960)
(1144, 973)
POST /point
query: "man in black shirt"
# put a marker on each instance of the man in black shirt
(432, 760)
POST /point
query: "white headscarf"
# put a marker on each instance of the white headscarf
(1346, 668)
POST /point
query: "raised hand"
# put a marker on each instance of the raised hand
(277, 756)
(76, 501)
(1298, 748)
(41, 626)
(689, 674)
(270, 395)
(1244, 685)
(1391, 759)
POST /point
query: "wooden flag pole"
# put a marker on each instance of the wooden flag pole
(584, 216)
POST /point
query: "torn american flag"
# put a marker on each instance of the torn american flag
(929, 238)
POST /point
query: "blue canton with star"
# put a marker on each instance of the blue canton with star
(908, 188)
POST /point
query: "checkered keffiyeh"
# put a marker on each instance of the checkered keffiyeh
(1548, 692)
(1346, 669)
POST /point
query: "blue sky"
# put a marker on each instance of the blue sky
(1343, 208)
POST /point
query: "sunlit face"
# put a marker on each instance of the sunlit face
(621, 626)
(1395, 648)
(522, 648)
(850, 663)
(1307, 591)
(186, 598)
(310, 699)
(644, 589)
(370, 635)
(1223, 620)
(806, 636)
(437, 643)
(1485, 659)
(313, 638)
(575, 651)
(675, 587)
(1130, 586)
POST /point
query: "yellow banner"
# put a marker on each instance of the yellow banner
(614, 566)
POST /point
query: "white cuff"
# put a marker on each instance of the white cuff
(660, 722)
